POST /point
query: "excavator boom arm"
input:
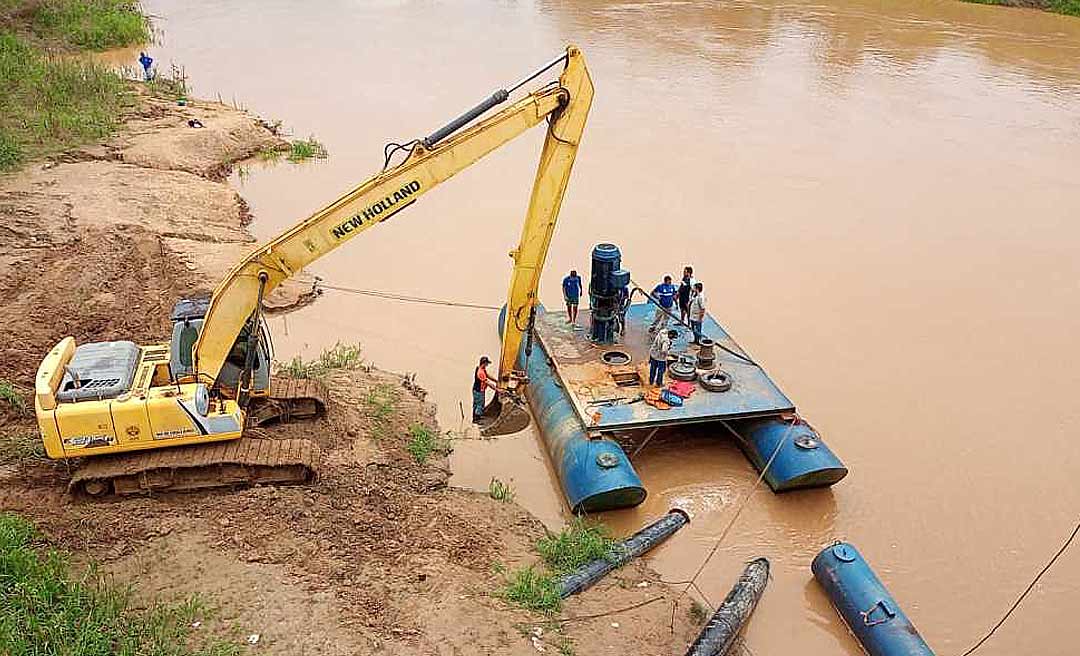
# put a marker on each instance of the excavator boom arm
(565, 105)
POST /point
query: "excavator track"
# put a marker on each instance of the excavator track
(242, 462)
(290, 399)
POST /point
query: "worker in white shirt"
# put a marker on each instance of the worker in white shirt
(697, 311)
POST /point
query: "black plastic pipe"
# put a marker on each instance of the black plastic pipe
(623, 552)
(718, 636)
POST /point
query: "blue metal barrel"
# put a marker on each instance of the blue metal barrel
(804, 461)
(866, 606)
(595, 474)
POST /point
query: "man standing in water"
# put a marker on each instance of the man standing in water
(664, 297)
(481, 382)
(686, 291)
(658, 356)
(571, 291)
(697, 311)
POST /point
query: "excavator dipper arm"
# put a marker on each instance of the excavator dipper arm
(431, 161)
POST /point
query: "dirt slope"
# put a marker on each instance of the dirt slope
(101, 242)
(378, 556)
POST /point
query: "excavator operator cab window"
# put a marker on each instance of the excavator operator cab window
(188, 336)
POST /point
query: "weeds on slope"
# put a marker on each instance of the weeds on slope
(500, 491)
(10, 395)
(337, 357)
(46, 611)
(578, 543)
(536, 588)
(1067, 7)
(296, 151)
(21, 446)
(51, 103)
(425, 442)
(90, 24)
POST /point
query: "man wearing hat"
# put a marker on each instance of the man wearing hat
(481, 381)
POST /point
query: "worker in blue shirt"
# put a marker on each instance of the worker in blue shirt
(571, 291)
(664, 296)
(146, 61)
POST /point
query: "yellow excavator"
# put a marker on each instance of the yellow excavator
(173, 416)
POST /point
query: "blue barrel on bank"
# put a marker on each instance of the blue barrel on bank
(595, 474)
(871, 613)
(804, 460)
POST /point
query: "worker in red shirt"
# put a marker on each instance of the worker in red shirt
(481, 382)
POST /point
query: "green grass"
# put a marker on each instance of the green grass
(578, 543)
(337, 357)
(90, 24)
(51, 104)
(271, 154)
(297, 151)
(304, 149)
(381, 404)
(537, 588)
(10, 395)
(173, 86)
(1067, 7)
(46, 611)
(500, 491)
(532, 588)
(423, 442)
(21, 446)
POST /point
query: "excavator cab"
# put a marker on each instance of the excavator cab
(187, 317)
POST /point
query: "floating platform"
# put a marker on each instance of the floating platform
(608, 397)
(590, 382)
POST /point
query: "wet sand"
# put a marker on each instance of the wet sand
(881, 201)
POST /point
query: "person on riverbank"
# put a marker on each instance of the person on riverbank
(658, 355)
(481, 382)
(571, 291)
(146, 61)
(697, 311)
(664, 297)
(686, 292)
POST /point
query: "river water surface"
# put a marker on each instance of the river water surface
(881, 198)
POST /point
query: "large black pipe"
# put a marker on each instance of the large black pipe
(623, 552)
(719, 634)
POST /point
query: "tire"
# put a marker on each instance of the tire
(717, 381)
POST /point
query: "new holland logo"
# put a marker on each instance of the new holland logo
(377, 211)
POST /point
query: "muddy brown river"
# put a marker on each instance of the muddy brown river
(882, 200)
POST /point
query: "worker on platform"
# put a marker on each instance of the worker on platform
(658, 355)
(571, 291)
(481, 382)
(686, 292)
(664, 297)
(697, 311)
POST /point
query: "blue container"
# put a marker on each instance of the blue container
(595, 474)
(870, 612)
(804, 461)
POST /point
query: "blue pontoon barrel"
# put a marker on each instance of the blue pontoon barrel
(803, 461)
(595, 474)
(866, 606)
